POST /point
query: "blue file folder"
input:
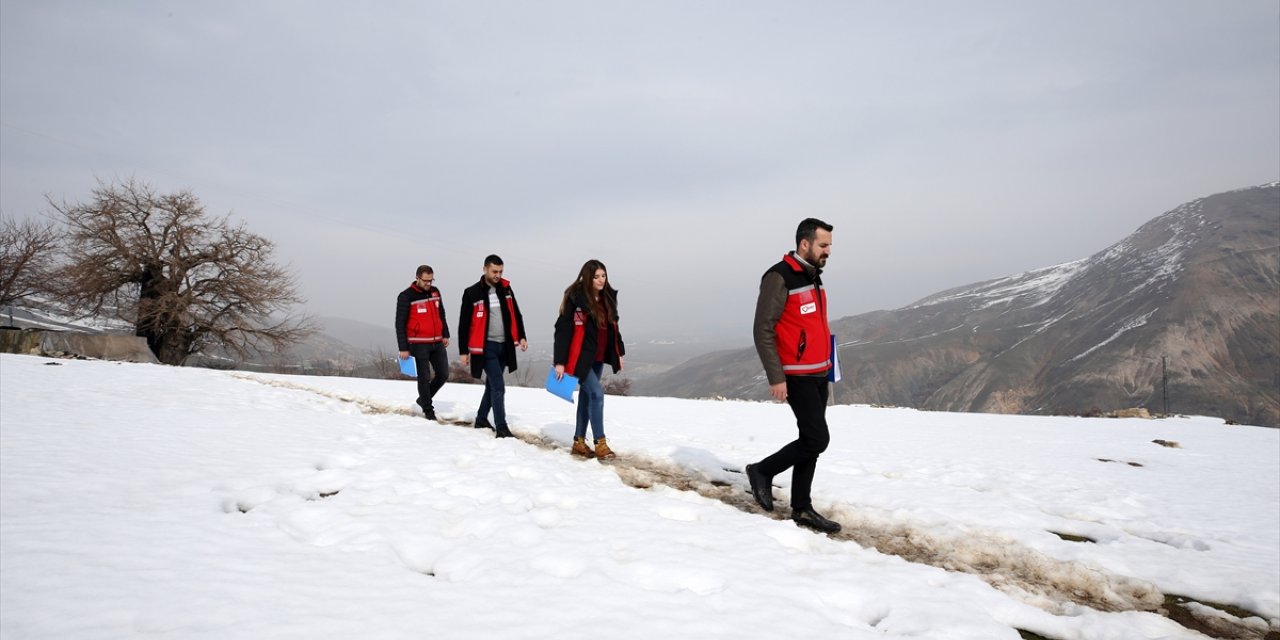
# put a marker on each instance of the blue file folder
(563, 387)
(409, 367)
(834, 373)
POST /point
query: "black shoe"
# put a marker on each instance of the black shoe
(429, 414)
(760, 488)
(813, 520)
(483, 423)
(504, 432)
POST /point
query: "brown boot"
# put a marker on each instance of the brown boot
(603, 451)
(580, 448)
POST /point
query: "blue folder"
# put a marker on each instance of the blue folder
(833, 374)
(563, 387)
(409, 367)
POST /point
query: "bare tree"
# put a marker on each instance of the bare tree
(525, 376)
(460, 373)
(382, 364)
(28, 254)
(617, 386)
(186, 281)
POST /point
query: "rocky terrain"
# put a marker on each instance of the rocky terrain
(1198, 286)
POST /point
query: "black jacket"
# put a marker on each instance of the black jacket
(472, 336)
(404, 304)
(577, 337)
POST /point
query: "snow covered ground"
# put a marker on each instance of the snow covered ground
(152, 501)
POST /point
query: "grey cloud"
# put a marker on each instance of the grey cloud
(949, 142)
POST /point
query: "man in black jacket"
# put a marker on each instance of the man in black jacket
(491, 326)
(421, 331)
(794, 343)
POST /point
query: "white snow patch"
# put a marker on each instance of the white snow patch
(1131, 324)
(1037, 287)
(191, 503)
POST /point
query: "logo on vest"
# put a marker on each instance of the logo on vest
(807, 309)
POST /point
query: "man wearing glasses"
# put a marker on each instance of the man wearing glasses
(421, 331)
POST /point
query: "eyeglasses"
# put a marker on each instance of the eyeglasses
(427, 280)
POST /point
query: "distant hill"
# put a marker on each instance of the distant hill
(1198, 284)
(361, 335)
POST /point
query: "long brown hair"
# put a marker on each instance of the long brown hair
(604, 308)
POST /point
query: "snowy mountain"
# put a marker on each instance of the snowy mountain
(1199, 285)
(192, 503)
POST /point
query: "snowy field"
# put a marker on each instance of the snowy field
(152, 501)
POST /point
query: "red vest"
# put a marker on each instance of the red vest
(424, 326)
(480, 318)
(582, 323)
(803, 337)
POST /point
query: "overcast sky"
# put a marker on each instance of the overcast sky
(679, 142)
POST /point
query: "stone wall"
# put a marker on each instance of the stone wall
(61, 344)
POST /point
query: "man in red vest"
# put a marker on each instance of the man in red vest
(421, 331)
(794, 344)
(491, 326)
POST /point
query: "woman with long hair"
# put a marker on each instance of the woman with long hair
(587, 338)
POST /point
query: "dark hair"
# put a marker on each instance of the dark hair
(492, 259)
(808, 229)
(426, 268)
(603, 309)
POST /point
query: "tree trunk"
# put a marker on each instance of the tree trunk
(169, 343)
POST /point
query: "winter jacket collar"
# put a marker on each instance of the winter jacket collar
(503, 283)
(800, 264)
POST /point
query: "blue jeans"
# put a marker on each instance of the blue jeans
(495, 388)
(591, 404)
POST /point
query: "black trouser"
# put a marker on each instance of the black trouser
(807, 396)
(431, 358)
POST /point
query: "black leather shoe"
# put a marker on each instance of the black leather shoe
(813, 520)
(483, 423)
(430, 414)
(760, 487)
(504, 432)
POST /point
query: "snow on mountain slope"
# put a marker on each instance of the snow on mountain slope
(1025, 290)
(171, 502)
(1187, 303)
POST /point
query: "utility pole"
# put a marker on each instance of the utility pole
(1164, 382)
